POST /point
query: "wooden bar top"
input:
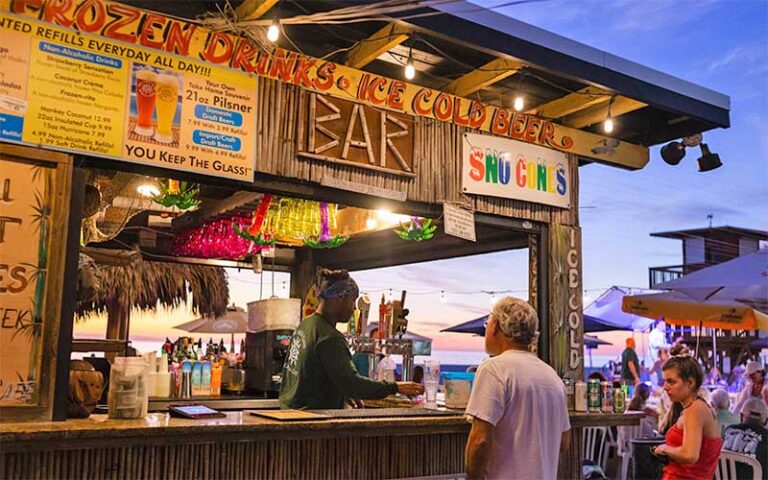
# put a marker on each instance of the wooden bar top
(162, 424)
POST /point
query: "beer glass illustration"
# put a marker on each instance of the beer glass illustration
(145, 101)
(167, 87)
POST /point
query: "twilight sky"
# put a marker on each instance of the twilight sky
(719, 44)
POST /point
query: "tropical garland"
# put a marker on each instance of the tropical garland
(324, 240)
(416, 230)
(179, 194)
(254, 232)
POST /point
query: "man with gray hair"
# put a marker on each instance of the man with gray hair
(749, 437)
(721, 402)
(518, 407)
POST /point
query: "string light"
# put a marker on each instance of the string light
(389, 295)
(148, 188)
(273, 32)
(608, 124)
(493, 298)
(410, 69)
(371, 223)
(442, 296)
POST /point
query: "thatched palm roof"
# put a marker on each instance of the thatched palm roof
(143, 284)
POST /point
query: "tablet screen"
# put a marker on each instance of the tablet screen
(195, 410)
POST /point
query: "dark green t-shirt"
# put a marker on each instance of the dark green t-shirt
(318, 372)
(628, 356)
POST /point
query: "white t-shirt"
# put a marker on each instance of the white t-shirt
(525, 400)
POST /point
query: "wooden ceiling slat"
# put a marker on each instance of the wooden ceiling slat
(598, 113)
(571, 103)
(254, 9)
(371, 48)
(488, 74)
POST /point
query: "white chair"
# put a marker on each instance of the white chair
(624, 446)
(726, 466)
(593, 444)
(610, 445)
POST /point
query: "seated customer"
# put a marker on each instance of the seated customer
(638, 404)
(721, 402)
(749, 437)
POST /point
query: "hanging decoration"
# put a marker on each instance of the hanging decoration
(179, 194)
(292, 221)
(255, 232)
(416, 229)
(325, 240)
(216, 239)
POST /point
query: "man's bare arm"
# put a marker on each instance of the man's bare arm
(478, 453)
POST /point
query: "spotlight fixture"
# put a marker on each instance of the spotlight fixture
(708, 160)
(673, 152)
(410, 69)
(148, 188)
(273, 32)
(608, 124)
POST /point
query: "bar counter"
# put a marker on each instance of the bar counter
(246, 446)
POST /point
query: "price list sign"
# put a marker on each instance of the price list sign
(84, 94)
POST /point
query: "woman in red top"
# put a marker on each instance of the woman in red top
(693, 443)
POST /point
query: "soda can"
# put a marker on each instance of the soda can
(619, 399)
(570, 393)
(593, 395)
(580, 394)
(607, 406)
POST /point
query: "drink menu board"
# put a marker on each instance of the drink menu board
(84, 94)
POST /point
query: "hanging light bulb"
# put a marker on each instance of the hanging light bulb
(371, 223)
(493, 299)
(148, 188)
(608, 124)
(389, 295)
(442, 297)
(273, 32)
(410, 69)
(519, 104)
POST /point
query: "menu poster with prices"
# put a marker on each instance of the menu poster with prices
(201, 119)
(85, 94)
(14, 65)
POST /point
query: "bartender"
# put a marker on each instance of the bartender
(318, 372)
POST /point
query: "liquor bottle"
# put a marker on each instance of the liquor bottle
(222, 348)
(242, 347)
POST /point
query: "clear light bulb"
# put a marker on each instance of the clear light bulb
(371, 223)
(410, 70)
(442, 297)
(273, 32)
(493, 299)
(608, 125)
(519, 103)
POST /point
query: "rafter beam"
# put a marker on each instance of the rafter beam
(380, 42)
(571, 103)
(598, 113)
(253, 9)
(488, 74)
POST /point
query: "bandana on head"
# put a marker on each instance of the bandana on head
(341, 288)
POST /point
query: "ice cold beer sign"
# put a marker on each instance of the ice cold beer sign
(573, 259)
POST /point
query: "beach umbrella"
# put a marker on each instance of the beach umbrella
(476, 326)
(605, 313)
(590, 343)
(743, 279)
(235, 320)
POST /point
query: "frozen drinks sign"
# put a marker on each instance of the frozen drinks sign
(506, 168)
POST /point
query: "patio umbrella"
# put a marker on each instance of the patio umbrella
(477, 326)
(590, 343)
(235, 320)
(605, 313)
(743, 279)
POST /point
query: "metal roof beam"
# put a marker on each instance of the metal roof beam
(253, 9)
(373, 47)
(488, 74)
(598, 113)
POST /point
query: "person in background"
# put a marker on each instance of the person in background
(318, 371)
(630, 365)
(518, 407)
(656, 369)
(753, 387)
(749, 437)
(657, 339)
(638, 404)
(765, 394)
(714, 378)
(597, 375)
(693, 442)
(736, 379)
(721, 403)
